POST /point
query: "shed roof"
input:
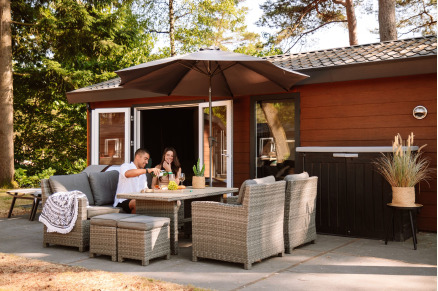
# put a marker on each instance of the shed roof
(366, 53)
(404, 49)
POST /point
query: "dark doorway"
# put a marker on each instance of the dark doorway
(172, 127)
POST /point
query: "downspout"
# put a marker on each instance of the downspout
(88, 134)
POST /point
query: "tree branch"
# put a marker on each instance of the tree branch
(156, 31)
(22, 23)
(310, 31)
(343, 3)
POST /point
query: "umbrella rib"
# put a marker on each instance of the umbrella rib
(194, 67)
(273, 81)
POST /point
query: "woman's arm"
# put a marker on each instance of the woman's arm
(177, 176)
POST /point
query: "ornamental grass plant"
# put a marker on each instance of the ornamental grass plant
(404, 167)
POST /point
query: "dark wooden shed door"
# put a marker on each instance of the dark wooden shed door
(352, 196)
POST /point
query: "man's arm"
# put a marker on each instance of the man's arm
(137, 172)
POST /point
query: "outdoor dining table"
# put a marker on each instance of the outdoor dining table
(166, 203)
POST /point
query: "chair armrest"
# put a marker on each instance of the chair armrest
(232, 199)
(210, 211)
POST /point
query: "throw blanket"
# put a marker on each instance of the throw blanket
(60, 211)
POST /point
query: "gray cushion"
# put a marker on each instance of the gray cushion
(66, 183)
(264, 180)
(294, 177)
(242, 189)
(104, 186)
(93, 211)
(143, 222)
(109, 219)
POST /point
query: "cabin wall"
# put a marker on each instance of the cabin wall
(371, 113)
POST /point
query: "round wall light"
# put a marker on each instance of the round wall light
(419, 112)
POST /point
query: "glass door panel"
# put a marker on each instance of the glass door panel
(110, 136)
(275, 138)
(221, 153)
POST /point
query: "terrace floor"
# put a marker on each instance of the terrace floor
(333, 262)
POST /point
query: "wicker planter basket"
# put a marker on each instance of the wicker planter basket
(198, 182)
(403, 196)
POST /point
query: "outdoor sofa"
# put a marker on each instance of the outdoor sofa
(99, 188)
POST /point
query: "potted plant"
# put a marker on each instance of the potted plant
(198, 180)
(403, 169)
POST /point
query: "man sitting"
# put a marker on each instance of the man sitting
(132, 178)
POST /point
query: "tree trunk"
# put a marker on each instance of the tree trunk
(6, 97)
(351, 20)
(281, 147)
(387, 24)
(171, 28)
(352, 23)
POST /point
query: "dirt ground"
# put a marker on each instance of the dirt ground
(18, 273)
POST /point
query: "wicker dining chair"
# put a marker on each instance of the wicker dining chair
(299, 213)
(241, 233)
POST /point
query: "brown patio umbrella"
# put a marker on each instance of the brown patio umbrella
(220, 73)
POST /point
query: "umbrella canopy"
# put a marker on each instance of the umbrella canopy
(209, 72)
(232, 74)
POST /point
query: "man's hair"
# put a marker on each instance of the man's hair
(141, 151)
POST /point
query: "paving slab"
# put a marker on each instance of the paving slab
(333, 262)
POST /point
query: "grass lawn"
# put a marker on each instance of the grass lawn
(19, 273)
(5, 204)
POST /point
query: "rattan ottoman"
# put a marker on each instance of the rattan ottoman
(103, 234)
(143, 238)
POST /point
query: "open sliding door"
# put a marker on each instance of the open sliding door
(110, 136)
(223, 149)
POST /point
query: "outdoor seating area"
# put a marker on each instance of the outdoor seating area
(249, 228)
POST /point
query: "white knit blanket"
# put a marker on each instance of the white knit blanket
(60, 211)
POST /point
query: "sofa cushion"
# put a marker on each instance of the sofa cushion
(67, 183)
(93, 211)
(294, 177)
(264, 180)
(104, 186)
(143, 222)
(109, 219)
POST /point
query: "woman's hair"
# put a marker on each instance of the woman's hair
(175, 164)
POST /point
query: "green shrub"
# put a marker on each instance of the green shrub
(25, 181)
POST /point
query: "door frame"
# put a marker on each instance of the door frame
(229, 105)
(295, 96)
(95, 132)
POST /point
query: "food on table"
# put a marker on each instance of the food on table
(172, 185)
(181, 187)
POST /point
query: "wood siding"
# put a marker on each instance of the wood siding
(371, 113)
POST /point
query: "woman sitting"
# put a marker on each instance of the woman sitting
(169, 163)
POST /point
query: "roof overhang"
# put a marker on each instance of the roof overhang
(108, 94)
(371, 70)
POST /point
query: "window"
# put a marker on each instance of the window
(110, 136)
(275, 127)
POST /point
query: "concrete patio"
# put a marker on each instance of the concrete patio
(333, 262)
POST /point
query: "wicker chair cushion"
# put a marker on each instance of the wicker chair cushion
(104, 186)
(143, 222)
(67, 183)
(294, 177)
(93, 211)
(264, 180)
(109, 219)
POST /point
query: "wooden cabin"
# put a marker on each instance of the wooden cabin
(358, 96)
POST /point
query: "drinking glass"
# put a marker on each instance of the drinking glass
(182, 177)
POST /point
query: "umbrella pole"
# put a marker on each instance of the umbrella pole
(210, 138)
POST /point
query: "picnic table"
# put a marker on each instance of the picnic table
(28, 194)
